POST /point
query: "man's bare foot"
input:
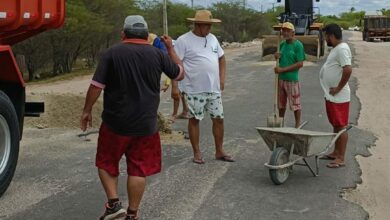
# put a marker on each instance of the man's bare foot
(173, 118)
(183, 115)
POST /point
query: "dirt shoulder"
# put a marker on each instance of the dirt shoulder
(373, 76)
(64, 101)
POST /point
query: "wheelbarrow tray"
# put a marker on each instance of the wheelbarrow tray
(306, 143)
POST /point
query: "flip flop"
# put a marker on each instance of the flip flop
(335, 165)
(198, 161)
(225, 158)
(327, 157)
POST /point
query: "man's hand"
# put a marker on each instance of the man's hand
(167, 40)
(165, 88)
(278, 70)
(333, 91)
(277, 56)
(85, 120)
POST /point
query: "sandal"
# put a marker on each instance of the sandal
(327, 157)
(198, 161)
(335, 164)
(225, 158)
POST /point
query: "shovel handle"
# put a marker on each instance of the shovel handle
(276, 78)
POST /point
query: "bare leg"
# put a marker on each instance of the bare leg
(176, 103)
(297, 115)
(110, 184)
(193, 130)
(218, 132)
(135, 191)
(185, 107)
(341, 144)
(282, 112)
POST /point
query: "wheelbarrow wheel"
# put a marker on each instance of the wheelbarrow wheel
(279, 156)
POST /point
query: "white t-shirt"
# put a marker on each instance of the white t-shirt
(200, 56)
(332, 70)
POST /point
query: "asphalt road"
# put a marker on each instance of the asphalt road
(56, 177)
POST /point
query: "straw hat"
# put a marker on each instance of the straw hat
(205, 17)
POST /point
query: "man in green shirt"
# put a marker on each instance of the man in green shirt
(291, 59)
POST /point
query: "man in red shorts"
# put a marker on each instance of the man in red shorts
(130, 74)
(334, 76)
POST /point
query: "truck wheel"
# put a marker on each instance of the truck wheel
(9, 141)
(279, 156)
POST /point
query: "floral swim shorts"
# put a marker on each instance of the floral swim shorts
(200, 103)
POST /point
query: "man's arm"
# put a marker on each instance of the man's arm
(172, 54)
(295, 66)
(347, 71)
(175, 93)
(222, 71)
(86, 117)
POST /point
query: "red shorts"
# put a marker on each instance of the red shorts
(338, 113)
(143, 153)
(289, 91)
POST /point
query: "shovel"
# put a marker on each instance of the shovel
(275, 120)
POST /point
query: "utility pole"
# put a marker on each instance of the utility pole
(273, 7)
(244, 3)
(165, 17)
(192, 4)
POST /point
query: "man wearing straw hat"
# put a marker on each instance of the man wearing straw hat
(204, 65)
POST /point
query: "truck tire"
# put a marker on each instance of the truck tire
(9, 141)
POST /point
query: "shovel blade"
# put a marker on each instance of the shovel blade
(274, 122)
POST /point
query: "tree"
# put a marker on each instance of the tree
(36, 53)
(239, 24)
(81, 29)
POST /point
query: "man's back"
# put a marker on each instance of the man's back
(132, 74)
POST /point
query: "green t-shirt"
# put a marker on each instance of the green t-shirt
(289, 55)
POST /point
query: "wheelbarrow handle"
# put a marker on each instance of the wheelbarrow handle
(335, 139)
(342, 131)
(349, 127)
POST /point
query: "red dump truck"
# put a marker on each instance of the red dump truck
(19, 20)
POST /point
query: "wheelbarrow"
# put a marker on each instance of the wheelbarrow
(290, 145)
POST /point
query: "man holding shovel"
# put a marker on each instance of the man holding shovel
(291, 59)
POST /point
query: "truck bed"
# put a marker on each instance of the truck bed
(21, 19)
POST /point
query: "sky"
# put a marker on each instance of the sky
(327, 7)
